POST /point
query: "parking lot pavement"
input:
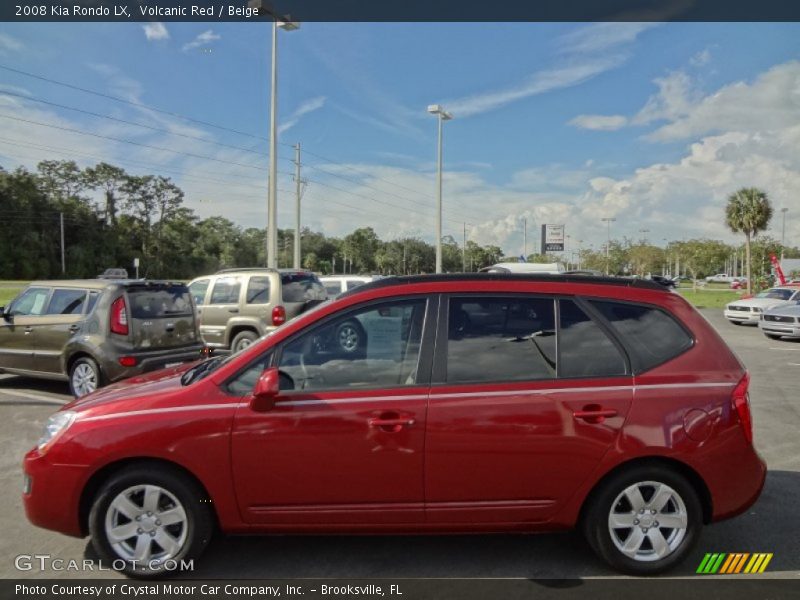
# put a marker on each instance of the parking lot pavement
(769, 526)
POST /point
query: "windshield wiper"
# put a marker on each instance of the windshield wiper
(200, 370)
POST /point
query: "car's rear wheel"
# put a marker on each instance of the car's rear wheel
(644, 520)
(351, 337)
(146, 521)
(242, 340)
(84, 376)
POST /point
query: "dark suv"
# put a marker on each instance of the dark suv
(93, 332)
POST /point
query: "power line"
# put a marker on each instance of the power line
(143, 125)
(129, 102)
(124, 141)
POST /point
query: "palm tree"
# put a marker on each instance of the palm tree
(748, 211)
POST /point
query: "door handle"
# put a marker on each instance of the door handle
(391, 425)
(594, 413)
(28, 330)
(233, 310)
(74, 328)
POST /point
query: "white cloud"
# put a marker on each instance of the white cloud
(9, 44)
(674, 99)
(701, 58)
(305, 108)
(599, 122)
(204, 39)
(599, 37)
(155, 31)
(541, 82)
(772, 101)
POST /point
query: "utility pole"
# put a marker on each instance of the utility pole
(298, 195)
(464, 251)
(525, 237)
(608, 221)
(783, 231)
(63, 259)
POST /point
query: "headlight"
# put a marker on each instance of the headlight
(757, 310)
(56, 425)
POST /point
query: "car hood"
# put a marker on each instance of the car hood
(789, 310)
(144, 388)
(758, 302)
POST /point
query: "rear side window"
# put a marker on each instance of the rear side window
(161, 302)
(258, 290)
(226, 291)
(652, 335)
(584, 348)
(198, 290)
(333, 289)
(501, 339)
(302, 287)
(67, 302)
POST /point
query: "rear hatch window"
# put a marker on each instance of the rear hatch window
(302, 287)
(162, 316)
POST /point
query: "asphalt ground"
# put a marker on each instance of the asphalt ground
(771, 525)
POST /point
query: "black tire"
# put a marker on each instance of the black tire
(350, 338)
(82, 373)
(187, 538)
(243, 339)
(645, 560)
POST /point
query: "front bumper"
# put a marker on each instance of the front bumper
(784, 329)
(52, 494)
(740, 316)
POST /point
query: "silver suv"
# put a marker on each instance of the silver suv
(238, 306)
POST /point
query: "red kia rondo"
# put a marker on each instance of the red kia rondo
(438, 404)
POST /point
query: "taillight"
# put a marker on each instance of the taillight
(127, 361)
(741, 402)
(278, 315)
(119, 317)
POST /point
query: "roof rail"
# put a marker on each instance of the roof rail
(242, 269)
(548, 278)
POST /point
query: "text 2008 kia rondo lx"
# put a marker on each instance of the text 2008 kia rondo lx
(440, 404)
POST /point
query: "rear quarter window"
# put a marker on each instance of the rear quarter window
(651, 335)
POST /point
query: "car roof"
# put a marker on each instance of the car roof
(507, 277)
(99, 284)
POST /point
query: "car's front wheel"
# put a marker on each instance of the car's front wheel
(644, 520)
(147, 522)
(242, 340)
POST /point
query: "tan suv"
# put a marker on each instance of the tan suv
(92, 332)
(238, 306)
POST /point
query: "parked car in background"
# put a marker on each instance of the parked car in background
(94, 332)
(747, 311)
(237, 306)
(525, 267)
(113, 274)
(782, 321)
(477, 403)
(337, 284)
(720, 278)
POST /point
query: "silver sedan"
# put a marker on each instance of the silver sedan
(781, 321)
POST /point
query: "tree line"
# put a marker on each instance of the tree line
(111, 217)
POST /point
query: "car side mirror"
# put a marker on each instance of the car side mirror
(7, 316)
(266, 391)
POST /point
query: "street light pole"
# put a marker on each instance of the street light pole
(644, 233)
(285, 23)
(608, 221)
(783, 231)
(442, 116)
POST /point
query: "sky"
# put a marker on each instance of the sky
(652, 124)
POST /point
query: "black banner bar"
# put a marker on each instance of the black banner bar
(396, 10)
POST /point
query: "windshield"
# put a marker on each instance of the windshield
(775, 293)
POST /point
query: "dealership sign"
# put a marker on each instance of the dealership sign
(552, 238)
